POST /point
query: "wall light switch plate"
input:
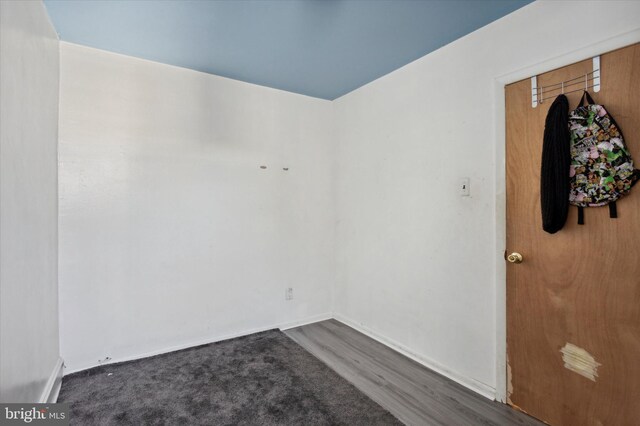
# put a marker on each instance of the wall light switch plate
(465, 187)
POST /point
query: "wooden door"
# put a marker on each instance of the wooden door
(573, 304)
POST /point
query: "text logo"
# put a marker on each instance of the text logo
(34, 414)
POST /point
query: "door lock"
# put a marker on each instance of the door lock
(515, 258)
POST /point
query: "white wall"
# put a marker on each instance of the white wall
(29, 351)
(170, 233)
(416, 263)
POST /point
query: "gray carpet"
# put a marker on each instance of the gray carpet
(261, 379)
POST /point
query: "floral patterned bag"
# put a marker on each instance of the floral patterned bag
(601, 168)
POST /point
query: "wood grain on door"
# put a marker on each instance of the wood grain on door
(573, 304)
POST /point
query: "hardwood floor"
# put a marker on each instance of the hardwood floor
(410, 391)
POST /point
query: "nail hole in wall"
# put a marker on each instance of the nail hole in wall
(263, 167)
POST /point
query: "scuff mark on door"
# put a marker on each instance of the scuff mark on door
(509, 382)
(580, 361)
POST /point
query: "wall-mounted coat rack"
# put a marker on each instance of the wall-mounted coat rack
(584, 82)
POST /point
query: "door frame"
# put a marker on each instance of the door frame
(499, 83)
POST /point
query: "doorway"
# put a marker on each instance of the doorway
(573, 304)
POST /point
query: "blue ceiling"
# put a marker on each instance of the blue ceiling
(320, 48)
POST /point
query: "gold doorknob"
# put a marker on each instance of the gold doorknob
(515, 258)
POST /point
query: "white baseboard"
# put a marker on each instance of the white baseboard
(205, 341)
(472, 384)
(310, 320)
(52, 388)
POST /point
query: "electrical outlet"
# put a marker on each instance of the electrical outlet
(288, 294)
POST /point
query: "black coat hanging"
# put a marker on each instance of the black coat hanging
(554, 173)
